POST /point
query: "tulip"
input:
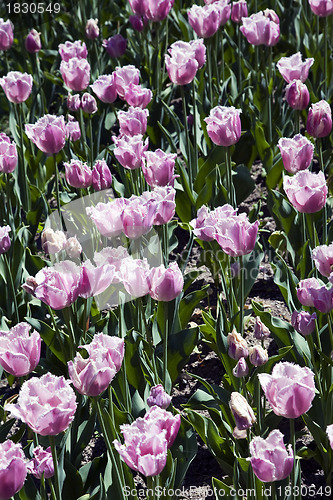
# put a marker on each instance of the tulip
(165, 284)
(138, 23)
(13, 468)
(297, 95)
(304, 291)
(238, 347)
(241, 369)
(105, 88)
(260, 330)
(304, 322)
(6, 34)
(289, 390)
(259, 29)
(242, 411)
(5, 241)
(46, 404)
(8, 154)
(48, 133)
(101, 176)
(205, 20)
(272, 16)
(70, 50)
(32, 42)
(163, 421)
(73, 131)
(329, 432)
(137, 218)
(123, 77)
(270, 460)
(115, 46)
(182, 65)
(158, 397)
(17, 86)
(163, 199)
(92, 29)
(107, 217)
(73, 102)
(319, 121)
(306, 191)
(134, 275)
(296, 153)
(94, 280)
(42, 463)
(88, 103)
(236, 235)
(258, 356)
(322, 8)
(238, 434)
(293, 68)
(75, 73)
(53, 241)
(322, 298)
(204, 224)
(78, 174)
(137, 96)
(111, 255)
(133, 121)
(139, 7)
(130, 150)
(112, 348)
(73, 248)
(239, 10)
(158, 9)
(19, 350)
(323, 259)
(57, 286)
(224, 125)
(158, 168)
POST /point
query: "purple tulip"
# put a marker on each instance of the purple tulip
(236, 235)
(46, 404)
(137, 96)
(306, 191)
(73, 131)
(205, 20)
(238, 10)
(182, 64)
(42, 463)
(73, 102)
(163, 199)
(5, 241)
(115, 46)
(242, 411)
(158, 9)
(19, 350)
(8, 154)
(297, 95)
(129, 151)
(293, 68)
(158, 397)
(112, 348)
(123, 77)
(75, 73)
(289, 390)
(323, 259)
(138, 23)
(322, 8)
(48, 133)
(158, 168)
(56, 286)
(238, 347)
(166, 284)
(73, 248)
(101, 176)
(78, 174)
(258, 356)
(13, 468)
(105, 88)
(304, 322)
(94, 280)
(70, 50)
(92, 29)
(88, 103)
(224, 125)
(53, 241)
(6, 34)
(206, 220)
(139, 7)
(260, 330)
(241, 369)
(107, 217)
(32, 42)
(259, 29)
(296, 153)
(137, 218)
(133, 121)
(304, 291)
(270, 460)
(322, 298)
(17, 86)
(319, 121)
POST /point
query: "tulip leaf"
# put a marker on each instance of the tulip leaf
(189, 302)
(221, 490)
(58, 344)
(180, 346)
(184, 450)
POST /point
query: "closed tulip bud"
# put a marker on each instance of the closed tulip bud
(105, 88)
(321, 8)
(73, 248)
(304, 322)
(158, 397)
(130, 150)
(306, 191)
(241, 369)
(238, 10)
(19, 350)
(260, 330)
(73, 131)
(293, 68)
(6, 34)
(88, 103)
(158, 168)
(297, 95)
(53, 241)
(70, 50)
(92, 29)
(115, 46)
(242, 411)
(296, 153)
(101, 176)
(73, 102)
(166, 283)
(48, 133)
(17, 86)
(322, 256)
(238, 347)
(8, 154)
(258, 356)
(13, 467)
(32, 42)
(270, 460)
(138, 23)
(78, 174)
(42, 463)
(224, 125)
(319, 121)
(75, 73)
(133, 121)
(5, 241)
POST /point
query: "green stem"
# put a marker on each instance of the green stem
(270, 135)
(91, 142)
(187, 137)
(325, 57)
(322, 166)
(56, 172)
(242, 298)
(329, 323)
(151, 488)
(83, 134)
(195, 163)
(293, 444)
(240, 55)
(318, 337)
(222, 59)
(209, 60)
(22, 166)
(165, 343)
(12, 287)
(56, 470)
(158, 69)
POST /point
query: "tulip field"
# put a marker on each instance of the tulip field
(166, 204)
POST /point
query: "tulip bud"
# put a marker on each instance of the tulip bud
(257, 355)
(73, 247)
(5, 240)
(137, 22)
(224, 125)
(73, 102)
(42, 463)
(304, 322)
(238, 434)
(237, 346)
(319, 122)
(32, 42)
(242, 411)
(115, 46)
(238, 10)
(101, 176)
(241, 369)
(297, 95)
(78, 174)
(158, 397)
(260, 330)
(92, 29)
(53, 241)
(88, 103)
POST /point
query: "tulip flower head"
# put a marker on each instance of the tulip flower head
(242, 411)
(130, 150)
(101, 176)
(133, 122)
(297, 95)
(20, 350)
(42, 463)
(238, 11)
(75, 73)
(69, 50)
(92, 29)
(166, 284)
(32, 42)
(53, 241)
(261, 29)
(205, 20)
(6, 34)
(123, 77)
(304, 322)
(319, 121)
(13, 469)
(17, 86)
(115, 46)
(5, 241)
(293, 68)
(48, 133)
(8, 154)
(323, 258)
(224, 125)
(158, 397)
(78, 174)
(296, 153)
(158, 168)
(306, 191)
(321, 8)
(105, 88)
(238, 347)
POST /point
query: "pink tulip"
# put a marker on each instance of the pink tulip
(237, 346)
(270, 460)
(73, 131)
(199, 51)
(158, 397)
(105, 88)
(242, 411)
(129, 151)
(158, 9)
(13, 468)
(182, 65)
(70, 50)
(204, 224)
(137, 96)
(73, 248)
(115, 46)
(158, 168)
(293, 68)
(88, 103)
(260, 330)
(138, 23)
(17, 86)
(322, 298)
(42, 463)
(134, 275)
(92, 29)
(241, 369)
(6, 34)
(19, 350)
(205, 20)
(304, 291)
(57, 286)
(258, 356)
(304, 322)
(32, 42)
(48, 133)
(107, 217)
(137, 218)
(296, 153)
(163, 199)
(53, 241)
(297, 95)
(101, 176)
(329, 432)
(123, 77)
(289, 390)
(238, 10)
(139, 7)
(163, 421)
(272, 16)
(133, 122)
(5, 241)
(78, 174)
(46, 404)
(306, 191)
(224, 125)
(259, 29)
(112, 348)
(94, 280)
(113, 256)
(8, 154)
(166, 283)
(319, 121)
(323, 259)
(236, 235)
(73, 102)
(75, 73)
(322, 8)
